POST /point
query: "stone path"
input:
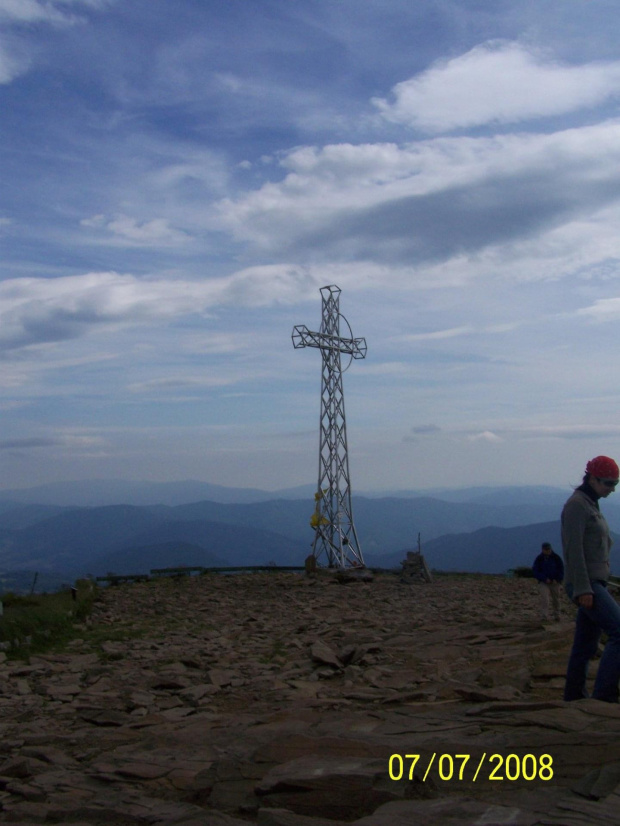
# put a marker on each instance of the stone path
(282, 700)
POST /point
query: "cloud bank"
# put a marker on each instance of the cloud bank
(198, 178)
(35, 311)
(497, 83)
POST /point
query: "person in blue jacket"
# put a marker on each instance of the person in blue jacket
(548, 569)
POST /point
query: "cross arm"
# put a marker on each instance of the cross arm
(303, 337)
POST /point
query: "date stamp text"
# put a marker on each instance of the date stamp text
(509, 767)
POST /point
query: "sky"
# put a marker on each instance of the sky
(179, 178)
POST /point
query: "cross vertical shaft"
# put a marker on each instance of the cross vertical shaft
(335, 533)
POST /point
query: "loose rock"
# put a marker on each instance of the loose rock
(281, 700)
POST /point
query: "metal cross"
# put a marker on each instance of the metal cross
(332, 520)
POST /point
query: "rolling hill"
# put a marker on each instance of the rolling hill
(102, 492)
(79, 540)
(490, 550)
(142, 558)
(494, 530)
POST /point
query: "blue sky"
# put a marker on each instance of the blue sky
(181, 177)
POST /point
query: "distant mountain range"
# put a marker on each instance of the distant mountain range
(479, 529)
(489, 550)
(100, 492)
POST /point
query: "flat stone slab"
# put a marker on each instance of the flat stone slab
(279, 700)
(448, 812)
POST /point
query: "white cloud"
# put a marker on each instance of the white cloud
(41, 311)
(604, 309)
(430, 201)
(72, 441)
(128, 230)
(76, 441)
(180, 383)
(438, 335)
(267, 285)
(498, 82)
(387, 368)
(574, 431)
(17, 53)
(203, 168)
(486, 436)
(216, 343)
(425, 431)
(31, 11)
(457, 332)
(13, 61)
(34, 11)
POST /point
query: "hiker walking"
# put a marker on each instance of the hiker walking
(586, 543)
(548, 569)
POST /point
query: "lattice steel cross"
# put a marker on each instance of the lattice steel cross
(332, 521)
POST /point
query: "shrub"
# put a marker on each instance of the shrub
(32, 624)
(523, 572)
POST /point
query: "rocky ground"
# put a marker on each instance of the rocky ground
(285, 700)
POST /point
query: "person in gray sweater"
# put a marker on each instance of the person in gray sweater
(586, 543)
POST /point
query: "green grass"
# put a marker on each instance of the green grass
(43, 622)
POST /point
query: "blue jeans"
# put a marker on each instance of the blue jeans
(603, 616)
